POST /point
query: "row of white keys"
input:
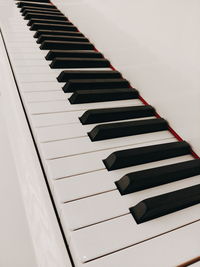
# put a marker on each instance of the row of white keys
(85, 163)
(101, 181)
(112, 235)
(168, 250)
(60, 132)
(62, 106)
(111, 204)
(39, 89)
(82, 144)
(61, 118)
(34, 68)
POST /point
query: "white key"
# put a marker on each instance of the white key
(55, 106)
(52, 119)
(31, 64)
(18, 49)
(71, 131)
(55, 119)
(77, 146)
(22, 45)
(171, 249)
(45, 69)
(47, 75)
(16, 38)
(64, 132)
(37, 77)
(44, 96)
(81, 186)
(110, 236)
(28, 56)
(38, 87)
(80, 164)
(99, 208)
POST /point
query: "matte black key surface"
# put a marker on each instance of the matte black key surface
(136, 181)
(121, 129)
(34, 9)
(47, 21)
(115, 114)
(40, 1)
(59, 63)
(55, 32)
(46, 37)
(92, 84)
(136, 156)
(73, 53)
(35, 1)
(67, 75)
(31, 4)
(47, 45)
(154, 207)
(43, 26)
(33, 15)
(42, 11)
(92, 96)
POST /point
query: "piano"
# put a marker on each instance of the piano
(106, 159)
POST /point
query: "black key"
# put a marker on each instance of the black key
(121, 129)
(136, 181)
(46, 37)
(43, 26)
(92, 84)
(47, 45)
(67, 75)
(35, 8)
(154, 207)
(91, 96)
(31, 4)
(116, 114)
(41, 1)
(136, 156)
(33, 15)
(60, 63)
(42, 11)
(73, 53)
(54, 32)
(32, 21)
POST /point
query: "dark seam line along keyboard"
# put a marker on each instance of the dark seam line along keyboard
(68, 48)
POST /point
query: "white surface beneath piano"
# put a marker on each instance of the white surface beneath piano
(95, 217)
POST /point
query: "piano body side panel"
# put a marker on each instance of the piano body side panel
(16, 243)
(155, 44)
(47, 241)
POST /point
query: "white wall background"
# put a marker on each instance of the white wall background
(155, 44)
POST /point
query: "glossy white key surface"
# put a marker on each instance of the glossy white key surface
(80, 164)
(44, 96)
(76, 130)
(112, 235)
(97, 224)
(171, 249)
(54, 106)
(83, 144)
(102, 207)
(81, 186)
(37, 87)
(53, 119)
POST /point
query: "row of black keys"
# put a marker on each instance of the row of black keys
(77, 59)
(110, 86)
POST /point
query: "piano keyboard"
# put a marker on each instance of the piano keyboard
(122, 184)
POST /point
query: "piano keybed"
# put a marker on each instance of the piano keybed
(112, 164)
